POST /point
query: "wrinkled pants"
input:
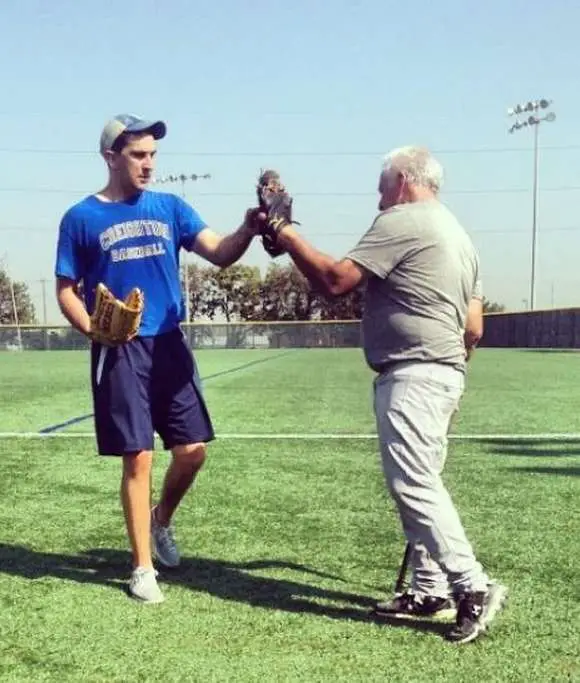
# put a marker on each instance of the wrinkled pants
(414, 403)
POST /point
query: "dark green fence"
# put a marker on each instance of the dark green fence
(551, 329)
(558, 328)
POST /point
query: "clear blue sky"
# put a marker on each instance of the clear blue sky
(320, 90)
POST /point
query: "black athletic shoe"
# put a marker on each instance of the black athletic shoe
(410, 605)
(475, 611)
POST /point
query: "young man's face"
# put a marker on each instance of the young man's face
(134, 164)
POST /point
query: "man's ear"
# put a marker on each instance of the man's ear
(110, 157)
(404, 187)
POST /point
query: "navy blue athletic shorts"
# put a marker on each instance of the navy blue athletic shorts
(148, 385)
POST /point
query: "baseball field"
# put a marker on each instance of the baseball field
(288, 536)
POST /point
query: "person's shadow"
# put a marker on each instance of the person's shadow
(224, 580)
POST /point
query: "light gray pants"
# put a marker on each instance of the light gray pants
(414, 403)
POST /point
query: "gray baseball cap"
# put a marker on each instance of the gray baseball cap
(129, 123)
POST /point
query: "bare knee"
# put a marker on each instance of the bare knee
(193, 454)
(137, 465)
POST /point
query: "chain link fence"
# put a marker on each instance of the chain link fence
(558, 328)
(275, 335)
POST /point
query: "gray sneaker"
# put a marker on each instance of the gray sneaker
(164, 546)
(143, 586)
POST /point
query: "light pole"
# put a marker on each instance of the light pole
(4, 267)
(531, 110)
(183, 178)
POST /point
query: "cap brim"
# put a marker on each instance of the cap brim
(158, 129)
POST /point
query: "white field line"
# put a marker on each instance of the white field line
(548, 436)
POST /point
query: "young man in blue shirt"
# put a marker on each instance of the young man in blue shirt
(126, 236)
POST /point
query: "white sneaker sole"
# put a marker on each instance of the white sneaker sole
(497, 601)
(145, 600)
(446, 614)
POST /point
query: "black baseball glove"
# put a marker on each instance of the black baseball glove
(276, 204)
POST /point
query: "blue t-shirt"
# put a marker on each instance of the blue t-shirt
(133, 243)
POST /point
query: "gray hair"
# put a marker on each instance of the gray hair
(416, 165)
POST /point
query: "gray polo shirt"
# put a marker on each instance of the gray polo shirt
(423, 272)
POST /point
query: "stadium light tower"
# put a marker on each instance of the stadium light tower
(530, 111)
(183, 178)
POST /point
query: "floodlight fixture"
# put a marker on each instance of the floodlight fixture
(534, 121)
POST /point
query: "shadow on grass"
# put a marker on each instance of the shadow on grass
(573, 471)
(541, 448)
(556, 349)
(231, 581)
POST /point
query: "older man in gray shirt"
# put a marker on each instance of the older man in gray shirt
(422, 320)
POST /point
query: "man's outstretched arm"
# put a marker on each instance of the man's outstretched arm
(224, 250)
(332, 277)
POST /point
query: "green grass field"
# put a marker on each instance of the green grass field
(287, 542)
